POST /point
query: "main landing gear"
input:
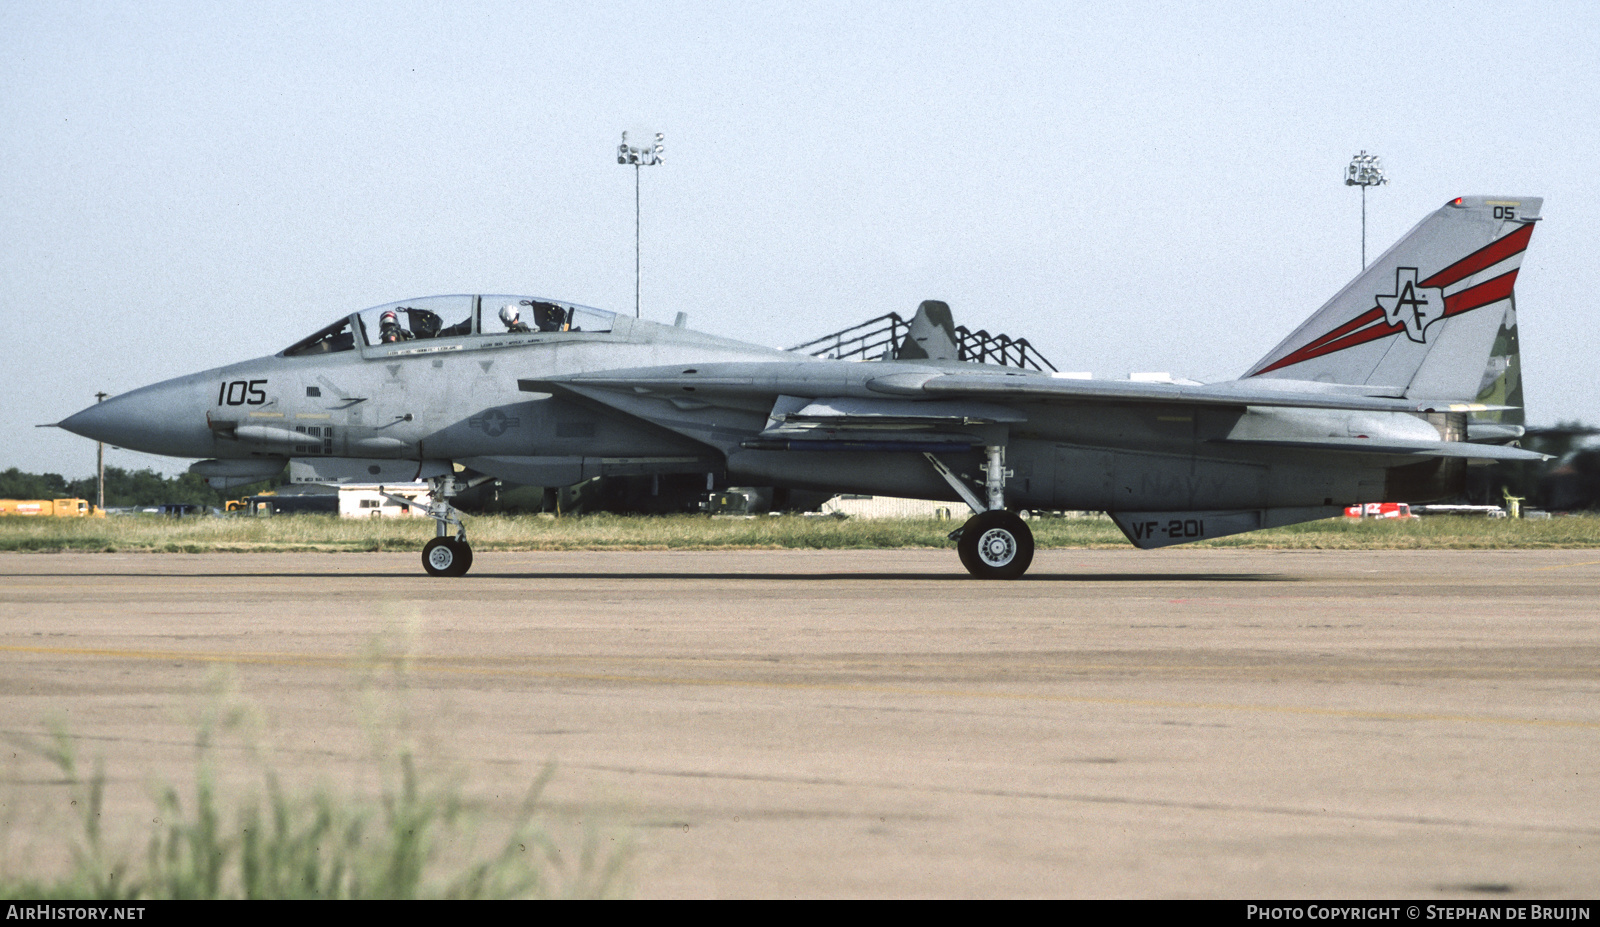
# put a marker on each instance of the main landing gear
(994, 543)
(448, 554)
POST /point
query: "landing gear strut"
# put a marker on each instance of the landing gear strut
(994, 543)
(448, 554)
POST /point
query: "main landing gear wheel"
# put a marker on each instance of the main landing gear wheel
(446, 557)
(995, 545)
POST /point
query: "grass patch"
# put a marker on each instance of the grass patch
(327, 533)
(418, 838)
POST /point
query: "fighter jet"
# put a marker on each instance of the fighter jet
(1369, 400)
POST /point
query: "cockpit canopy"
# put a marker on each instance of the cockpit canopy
(452, 317)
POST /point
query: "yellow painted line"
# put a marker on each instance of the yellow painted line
(436, 665)
(1563, 566)
(266, 415)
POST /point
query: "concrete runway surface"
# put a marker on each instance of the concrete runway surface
(1182, 723)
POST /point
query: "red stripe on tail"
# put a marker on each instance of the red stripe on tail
(1487, 256)
(1476, 297)
(1353, 333)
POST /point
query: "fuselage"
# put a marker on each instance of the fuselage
(1368, 400)
(349, 401)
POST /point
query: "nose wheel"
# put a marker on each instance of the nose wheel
(447, 557)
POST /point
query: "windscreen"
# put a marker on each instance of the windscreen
(336, 337)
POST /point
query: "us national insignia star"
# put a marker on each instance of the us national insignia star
(494, 422)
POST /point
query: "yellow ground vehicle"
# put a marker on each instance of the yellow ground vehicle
(74, 508)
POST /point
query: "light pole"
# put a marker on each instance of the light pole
(638, 157)
(100, 463)
(1364, 171)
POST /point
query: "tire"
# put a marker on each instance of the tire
(446, 557)
(966, 551)
(996, 545)
(463, 557)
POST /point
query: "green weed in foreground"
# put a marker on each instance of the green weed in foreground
(313, 845)
(697, 532)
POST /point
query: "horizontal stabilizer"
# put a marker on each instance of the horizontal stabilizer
(1149, 530)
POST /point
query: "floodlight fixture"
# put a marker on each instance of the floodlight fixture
(1365, 170)
(641, 157)
(638, 157)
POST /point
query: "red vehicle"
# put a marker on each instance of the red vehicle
(1379, 510)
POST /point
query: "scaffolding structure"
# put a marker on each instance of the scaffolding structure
(880, 339)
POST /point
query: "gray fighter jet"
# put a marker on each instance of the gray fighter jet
(1371, 399)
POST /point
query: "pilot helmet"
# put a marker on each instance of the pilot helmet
(389, 318)
(509, 314)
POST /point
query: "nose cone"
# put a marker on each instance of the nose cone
(167, 418)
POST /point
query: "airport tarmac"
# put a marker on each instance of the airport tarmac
(1178, 723)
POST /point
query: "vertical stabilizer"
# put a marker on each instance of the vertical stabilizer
(932, 334)
(1425, 318)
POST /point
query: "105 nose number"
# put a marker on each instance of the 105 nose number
(242, 392)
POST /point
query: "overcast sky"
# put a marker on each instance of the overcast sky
(1132, 187)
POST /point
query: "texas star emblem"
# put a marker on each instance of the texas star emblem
(1414, 307)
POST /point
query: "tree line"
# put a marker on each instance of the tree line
(123, 488)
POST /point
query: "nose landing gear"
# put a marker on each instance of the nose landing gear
(448, 554)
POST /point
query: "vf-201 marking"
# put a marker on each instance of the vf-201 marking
(1175, 528)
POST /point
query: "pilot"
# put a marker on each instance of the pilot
(389, 330)
(548, 316)
(512, 317)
